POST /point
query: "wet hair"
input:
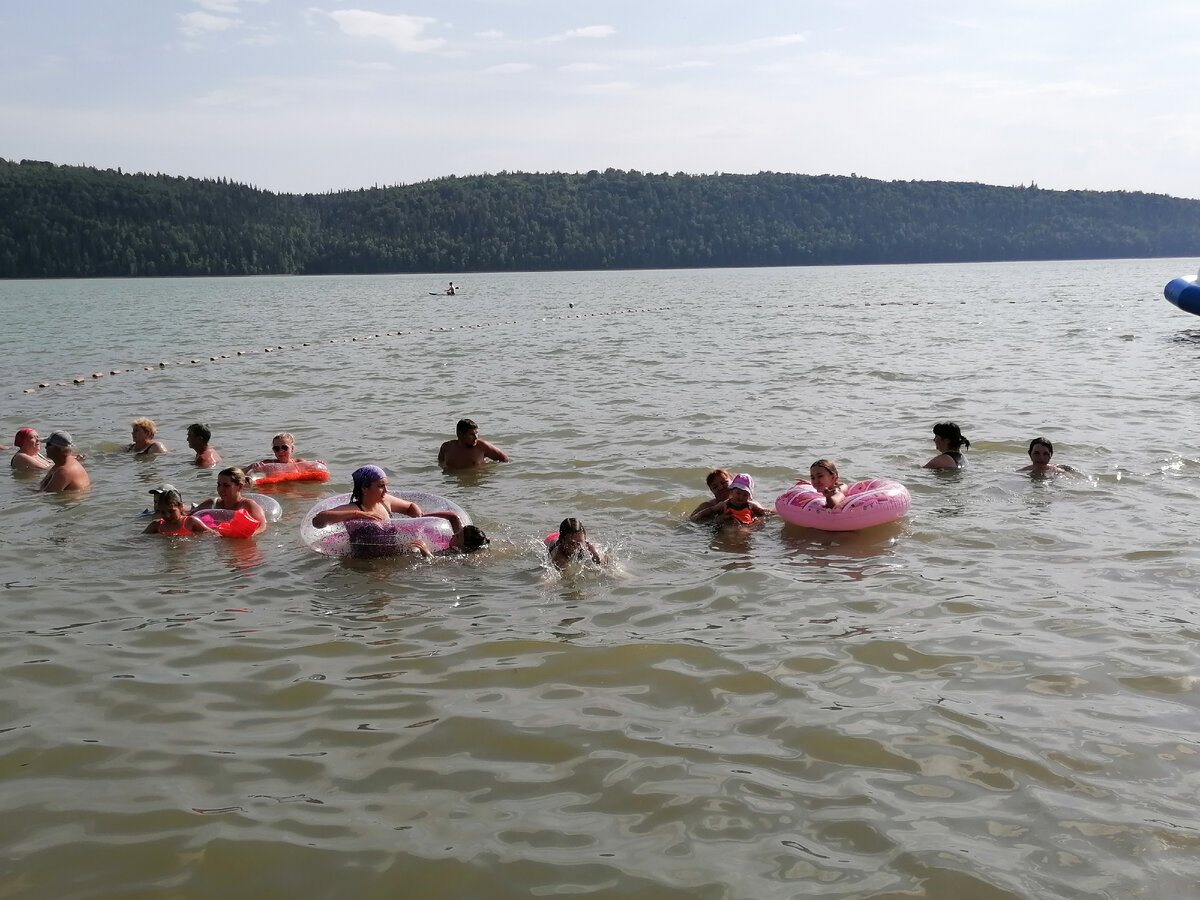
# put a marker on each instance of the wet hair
(571, 526)
(147, 424)
(201, 431)
(285, 437)
(363, 477)
(465, 425)
(1040, 440)
(169, 497)
(950, 432)
(473, 538)
(236, 475)
(829, 466)
(25, 434)
(714, 474)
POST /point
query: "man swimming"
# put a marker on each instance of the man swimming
(468, 450)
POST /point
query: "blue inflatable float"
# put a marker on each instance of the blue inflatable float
(1184, 294)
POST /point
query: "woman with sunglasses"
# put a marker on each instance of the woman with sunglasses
(282, 445)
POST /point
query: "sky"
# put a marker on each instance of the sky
(306, 97)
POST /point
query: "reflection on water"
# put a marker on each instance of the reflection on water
(991, 699)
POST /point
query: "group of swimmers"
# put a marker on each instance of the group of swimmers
(369, 501)
(732, 500)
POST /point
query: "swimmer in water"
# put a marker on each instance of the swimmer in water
(572, 544)
(168, 506)
(739, 505)
(67, 472)
(1040, 453)
(950, 443)
(144, 444)
(370, 508)
(823, 475)
(28, 456)
(468, 449)
(718, 482)
(282, 445)
(230, 484)
(198, 436)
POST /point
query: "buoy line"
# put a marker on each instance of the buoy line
(165, 364)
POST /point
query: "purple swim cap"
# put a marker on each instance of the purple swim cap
(365, 475)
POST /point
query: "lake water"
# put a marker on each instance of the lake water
(995, 698)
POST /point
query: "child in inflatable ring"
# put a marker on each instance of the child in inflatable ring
(823, 475)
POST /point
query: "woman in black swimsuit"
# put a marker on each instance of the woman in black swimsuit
(950, 443)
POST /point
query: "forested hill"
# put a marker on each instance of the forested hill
(69, 221)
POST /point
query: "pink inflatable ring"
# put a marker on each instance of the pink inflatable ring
(868, 503)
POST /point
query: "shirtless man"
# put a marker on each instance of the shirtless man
(67, 473)
(468, 449)
(28, 457)
(198, 437)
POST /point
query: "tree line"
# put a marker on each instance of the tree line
(77, 221)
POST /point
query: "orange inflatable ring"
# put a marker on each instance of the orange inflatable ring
(278, 473)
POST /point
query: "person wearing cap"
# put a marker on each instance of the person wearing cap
(144, 444)
(468, 449)
(66, 472)
(718, 482)
(28, 457)
(168, 506)
(738, 505)
(198, 436)
(368, 500)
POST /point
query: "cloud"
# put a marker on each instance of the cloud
(490, 35)
(687, 64)
(402, 32)
(508, 69)
(587, 31)
(196, 24)
(583, 67)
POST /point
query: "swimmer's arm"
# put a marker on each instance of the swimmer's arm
(404, 507)
(339, 514)
(152, 528)
(707, 510)
(455, 522)
(834, 497)
(254, 509)
(597, 557)
(442, 453)
(491, 451)
(941, 461)
(759, 510)
(195, 526)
